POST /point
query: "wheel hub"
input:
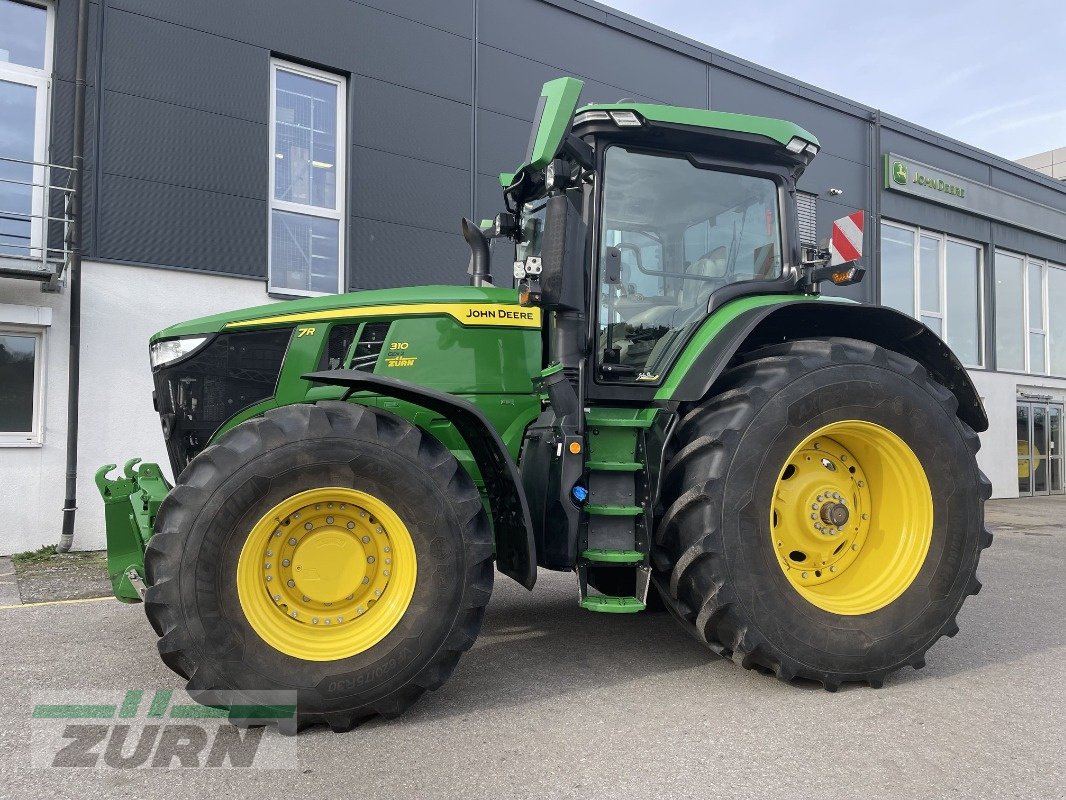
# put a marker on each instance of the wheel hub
(835, 514)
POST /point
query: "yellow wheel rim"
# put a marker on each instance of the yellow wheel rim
(326, 573)
(852, 517)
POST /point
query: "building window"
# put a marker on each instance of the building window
(21, 354)
(1028, 337)
(307, 162)
(25, 77)
(938, 280)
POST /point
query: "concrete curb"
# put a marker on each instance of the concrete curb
(9, 588)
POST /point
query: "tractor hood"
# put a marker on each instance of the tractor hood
(379, 302)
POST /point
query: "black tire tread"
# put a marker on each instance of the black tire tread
(694, 582)
(163, 554)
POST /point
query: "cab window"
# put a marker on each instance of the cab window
(672, 234)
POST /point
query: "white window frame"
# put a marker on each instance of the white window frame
(41, 80)
(35, 436)
(1045, 304)
(337, 213)
(942, 278)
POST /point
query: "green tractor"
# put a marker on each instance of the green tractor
(663, 404)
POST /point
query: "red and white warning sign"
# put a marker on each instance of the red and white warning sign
(845, 243)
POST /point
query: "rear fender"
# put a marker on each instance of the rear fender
(515, 549)
(791, 319)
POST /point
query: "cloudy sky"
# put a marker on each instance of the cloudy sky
(989, 72)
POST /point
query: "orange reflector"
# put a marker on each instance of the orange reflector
(575, 447)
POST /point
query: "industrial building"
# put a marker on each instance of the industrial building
(205, 123)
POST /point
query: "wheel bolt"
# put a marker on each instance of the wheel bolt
(385, 573)
(308, 526)
(377, 593)
(277, 598)
(379, 529)
(294, 615)
(802, 575)
(359, 610)
(314, 620)
(865, 516)
(366, 540)
(340, 619)
(290, 583)
(862, 484)
(267, 565)
(814, 516)
(292, 540)
(369, 559)
(388, 549)
(270, 553)
(351, 525)
(327, 620)
(833, 568)
(366, 580)
(285, 562)
(388, 561)
(270, 577)
(854, 547)
(329, 520)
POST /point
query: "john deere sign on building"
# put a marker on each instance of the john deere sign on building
(937, 186)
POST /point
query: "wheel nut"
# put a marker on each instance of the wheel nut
(270, 577)
(285, 562)
(294, 615)
(351, 525)
(369, 559)
(814, 516)
(314, 620)
(290, 583)
(292, 540)
(379, 529)
(802, 575)
(277, 598)
(833, 568)
(270, 553)
(366, 580)
(329, 520)
(308, 526)
(366, 540)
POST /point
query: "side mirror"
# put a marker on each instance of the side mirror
(562, 275)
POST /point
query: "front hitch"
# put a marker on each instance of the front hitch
(130, 506)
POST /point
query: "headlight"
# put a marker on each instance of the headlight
(169, 350)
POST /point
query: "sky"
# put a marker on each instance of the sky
(991, 73)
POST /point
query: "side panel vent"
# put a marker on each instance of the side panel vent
(338, 343)
(807, 210)
(368, 348)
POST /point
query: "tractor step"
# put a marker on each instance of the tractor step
(612, 605)
(613, 510)
(619, 418)
(604, 556)
(614, 466)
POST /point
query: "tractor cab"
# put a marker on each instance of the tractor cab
(633, 222)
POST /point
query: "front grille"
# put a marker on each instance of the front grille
(196, 395)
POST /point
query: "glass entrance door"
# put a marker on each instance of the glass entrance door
(1040, 448)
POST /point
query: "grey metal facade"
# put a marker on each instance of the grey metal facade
(440, 96)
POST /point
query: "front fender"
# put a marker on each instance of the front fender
(769, 323)
(515, 549)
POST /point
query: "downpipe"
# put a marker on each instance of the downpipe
(70, 504)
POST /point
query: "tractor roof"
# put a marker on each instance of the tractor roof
(781, 131)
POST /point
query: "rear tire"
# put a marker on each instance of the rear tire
(221, 631)
(716, 548)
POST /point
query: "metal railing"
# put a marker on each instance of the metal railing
(37, 231)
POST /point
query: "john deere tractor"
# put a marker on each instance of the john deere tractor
(660, 401)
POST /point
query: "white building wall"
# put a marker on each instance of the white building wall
(122, 306)
(998, 457)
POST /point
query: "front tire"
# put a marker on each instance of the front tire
(824, 513)
(330, 549)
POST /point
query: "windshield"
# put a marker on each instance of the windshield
(672, 234)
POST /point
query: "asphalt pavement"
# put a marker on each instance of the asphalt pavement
(553, 701)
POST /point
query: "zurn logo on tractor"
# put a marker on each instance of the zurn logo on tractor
(664, 405)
